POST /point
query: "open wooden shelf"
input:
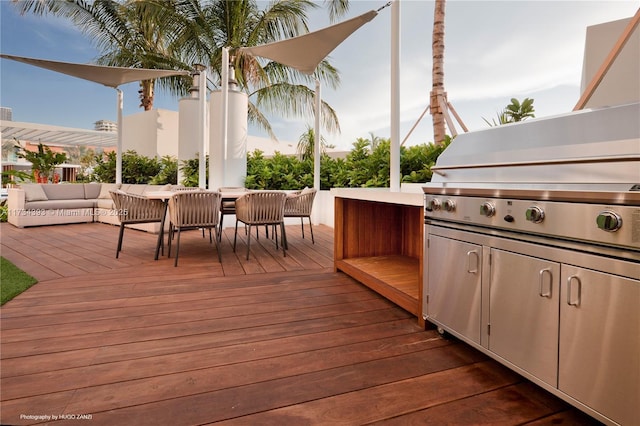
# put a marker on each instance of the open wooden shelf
(381, 245)
(397, 278)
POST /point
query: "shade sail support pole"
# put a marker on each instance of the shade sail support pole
(202, 107)
(317, 138)
(225, 113)
(119, 146)
(394, 167)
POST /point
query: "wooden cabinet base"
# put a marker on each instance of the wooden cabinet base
(381, 245)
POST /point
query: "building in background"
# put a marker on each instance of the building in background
(6, 114)
(105, 126)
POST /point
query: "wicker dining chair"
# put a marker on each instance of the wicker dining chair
(261, 208)
(300, 205)
(228, 206)
(132, 208)
(194, 210)
(189, 188)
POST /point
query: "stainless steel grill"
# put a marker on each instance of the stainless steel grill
(532, 253)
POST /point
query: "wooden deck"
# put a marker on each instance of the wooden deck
(272, 340)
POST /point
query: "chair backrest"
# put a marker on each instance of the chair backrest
(261, 207)
(301, 203)
(132, 208)
(195, 208)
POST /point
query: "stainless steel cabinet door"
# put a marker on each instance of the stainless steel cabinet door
(600, 342)
(454, 285)
(523, 312)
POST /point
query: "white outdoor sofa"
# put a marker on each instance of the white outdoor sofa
(36, 204)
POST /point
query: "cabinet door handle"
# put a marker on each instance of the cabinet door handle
(477, 256)
(571, 301)
(543, 272)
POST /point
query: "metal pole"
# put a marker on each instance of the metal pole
(317, 139)
(202, 104)
(119, 147)
(224, 128)
(394, 167)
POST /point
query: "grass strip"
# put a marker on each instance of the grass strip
(13, 281)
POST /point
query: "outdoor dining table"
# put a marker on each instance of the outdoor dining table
(164, 196)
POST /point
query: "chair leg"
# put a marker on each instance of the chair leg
(284, 239)
(311, 228)
(170, 238)
(177, 248)
(120, 240)
(248, 242)
(302, 224)
(275, 233)
(235, 237)
(220, 227)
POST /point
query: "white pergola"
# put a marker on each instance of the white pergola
(57, 135)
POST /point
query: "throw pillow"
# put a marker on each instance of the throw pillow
(105, 188)
(34, 192)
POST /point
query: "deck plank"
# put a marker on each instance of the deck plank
(269, 340)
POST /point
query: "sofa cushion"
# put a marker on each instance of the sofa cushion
(137, 189)
(92, 190)
(33, 192)
(72, 191)
(105, 188)
(105, 204)
(59, 204)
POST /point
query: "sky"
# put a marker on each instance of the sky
(494, 51)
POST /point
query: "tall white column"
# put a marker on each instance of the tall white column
(317, 138)
(119, 147)
(394, 167)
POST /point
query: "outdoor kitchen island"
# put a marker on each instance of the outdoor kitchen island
(378, 241)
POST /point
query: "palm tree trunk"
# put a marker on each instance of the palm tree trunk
(438, 96)
(146, 94)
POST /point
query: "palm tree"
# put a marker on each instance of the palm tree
(517, 111)
(306, 144)
(437, 90)
(176, 34)
(513, 112)
(272, 87)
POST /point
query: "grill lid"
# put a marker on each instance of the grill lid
(593, 149)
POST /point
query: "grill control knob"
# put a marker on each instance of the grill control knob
(433, 205)
(609, 221)
(534, 214)
(487, 209)
(449, 205)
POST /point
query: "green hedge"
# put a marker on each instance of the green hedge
(363, 166)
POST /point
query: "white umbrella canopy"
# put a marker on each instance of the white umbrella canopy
(106, 75)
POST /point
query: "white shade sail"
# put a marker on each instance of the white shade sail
(305, 52)
(108, 76)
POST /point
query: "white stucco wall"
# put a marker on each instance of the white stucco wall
(151, 133)
(621, 84)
